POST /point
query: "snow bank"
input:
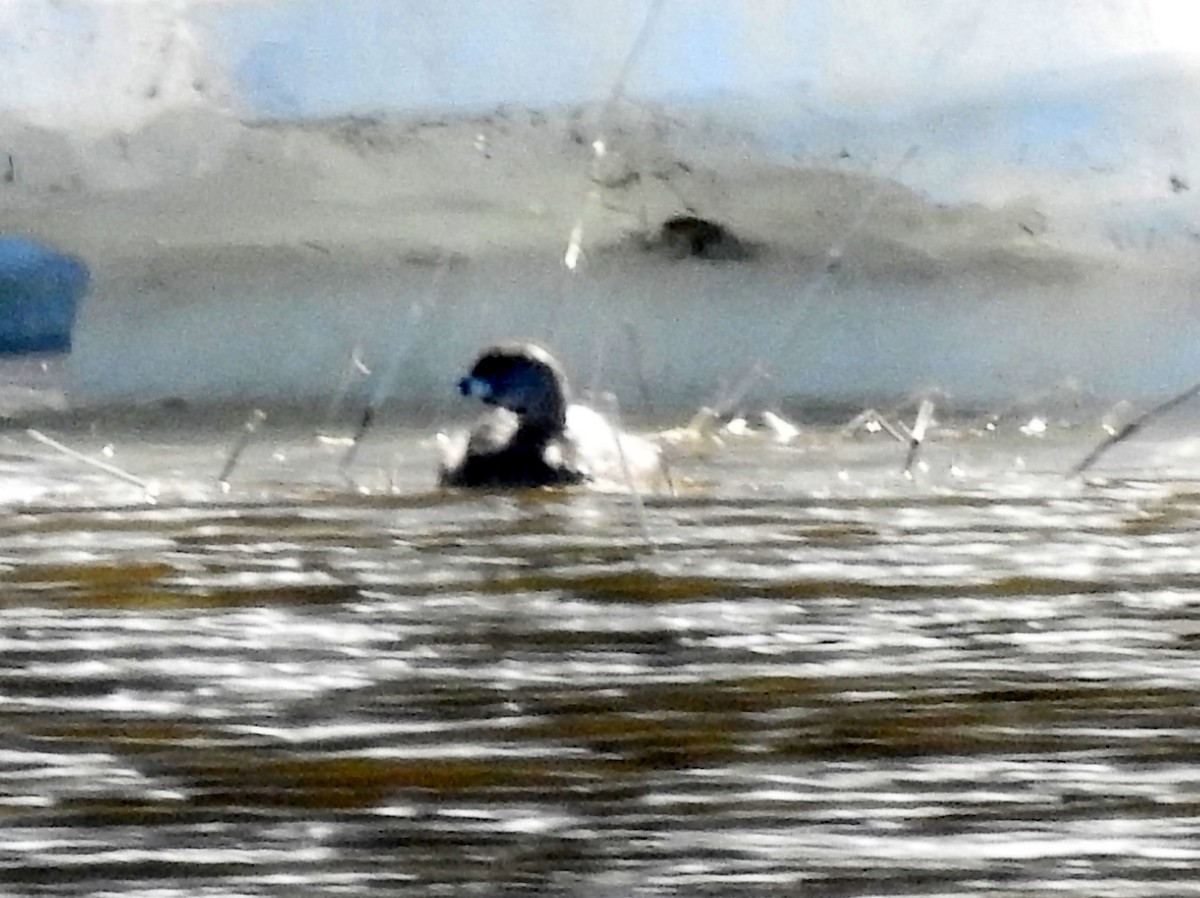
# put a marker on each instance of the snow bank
(922, 194)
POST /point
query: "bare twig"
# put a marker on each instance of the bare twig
(917, 434)
(249, 428)
(1132, 427)
(112, 470)
(574, 250)
(635, 493)
(385, 379)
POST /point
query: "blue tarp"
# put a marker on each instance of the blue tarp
(40, 290)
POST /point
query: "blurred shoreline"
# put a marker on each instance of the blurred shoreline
(249, 261)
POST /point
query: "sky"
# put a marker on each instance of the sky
(111, 63)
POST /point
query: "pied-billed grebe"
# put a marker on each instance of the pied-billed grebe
(534, 435)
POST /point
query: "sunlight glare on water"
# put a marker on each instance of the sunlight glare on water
(983, 678)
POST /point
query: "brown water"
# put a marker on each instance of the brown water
(822, 679)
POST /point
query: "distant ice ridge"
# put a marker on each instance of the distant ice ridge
(952, 193)
(1080, 110)
(1105, 163)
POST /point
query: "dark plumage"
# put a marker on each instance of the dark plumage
(533, 435)
(522, 441)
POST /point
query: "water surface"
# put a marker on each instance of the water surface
(804, 673)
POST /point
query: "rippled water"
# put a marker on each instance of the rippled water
(821, 678)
